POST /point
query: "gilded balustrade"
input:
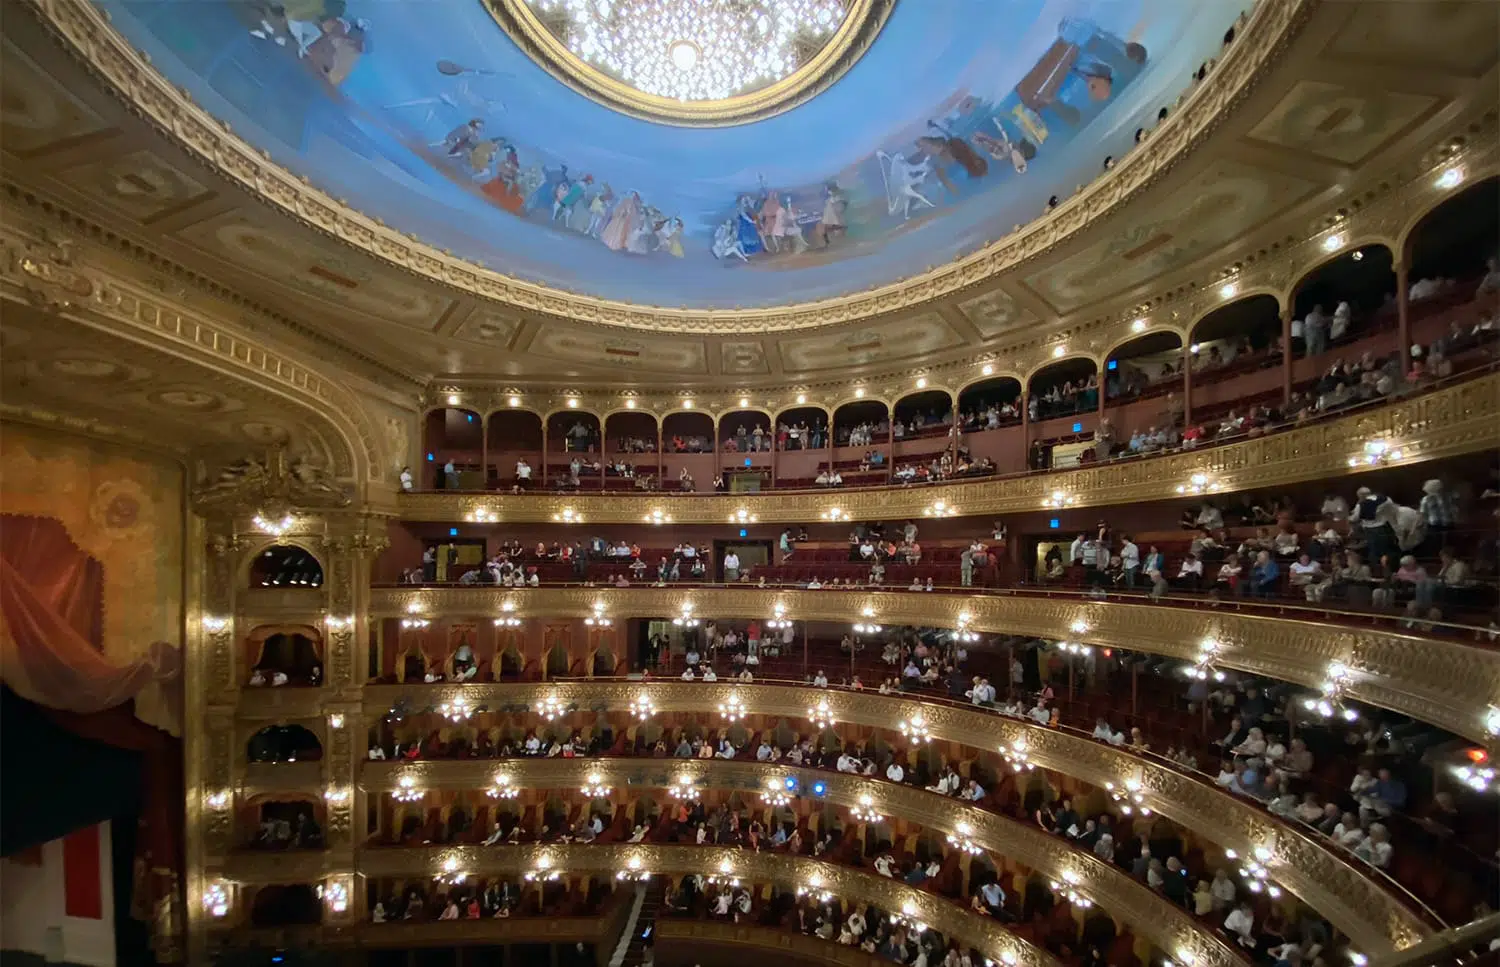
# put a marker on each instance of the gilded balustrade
(1337, 888)
(1147, 914)
(951, 919)
(1444, 682)
(1463, 418)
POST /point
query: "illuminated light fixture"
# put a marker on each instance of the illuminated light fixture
(508, 621)
(1199, 483)
(1257, 878)
(1195, 347)
(1329, 703)
(568, 516)
(1357, 255)
(939, 508)
(1229, 290)
(732, 709)
(572, 402)
(1058, 352)
(642, 708)
(658, 516)
(1129, 798)
(1059, 500)
(336, 895)
(1477, 778)
(1202, 667)
(921, 382)
(812, 889)
(411, 623)
(413, 607)
(339, 622)
(551, 708)
(725, 875)
(456, 710)
(501, 787)
(1377, 453)
(744, 401)
(275, 526)
(687, 404)
(1185, 958)
(821, 715)
(594, 786)
(1334, 242)
(634, 870)
(987, 369)
(835, 514)
(774, 794)
(743, 516)
(683, 788)
(1068, 889)
(1079, 627)
(335, 795)
(864, 811)
(1492, 721)
(1451, 178)
(598, 619)
(1016, 756)
(859, 392)
(1075, 648)
(801, 397)
(336, 720)
(452, 874)
(1358, 960)
(543, 872)
(216, 899)
(963, 838)
(216, 800)
(482, 515)
(630, 404)
(916, 728)
(963, 633)
(686, 619)
(514, 401)
(214, 625)
(867, 627)
(1138, 325)
(407, 790)
(779, 621)
(452, 400)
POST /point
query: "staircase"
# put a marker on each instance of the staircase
(631, 951)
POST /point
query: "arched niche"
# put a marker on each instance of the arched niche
(511, 665)
(1002, 394)
(922, 415)
(738, 427)
(290, 905)
(452, 434)
(1237, 337)
(1451, 246)
(630, 433)
(572, 432)
(291, 650)
(812, 419)
(513, 437)
(861, 424)
(284, 743)
(687, 461)
(1063, 389)
(603, 663)
(555, 664)
(1148, 365)
(1365, 279)
(284, 820)
(285, 566)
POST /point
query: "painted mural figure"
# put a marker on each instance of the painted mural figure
(567, 195)
(832, 222)
(946, 150)
(902, 178)
(727, 241)
(464, 138)
(599, 208)
(787, 231)
(336, 53)
(622, 221)
(748, 232)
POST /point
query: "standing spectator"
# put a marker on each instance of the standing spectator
(1439, 510)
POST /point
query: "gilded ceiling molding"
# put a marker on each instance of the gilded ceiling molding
(55, 272)
(1142, 910)
(1371, 917)
(1444, 682)
(1457, 420)
(950, 918)
(861, 26)
(1260, 41)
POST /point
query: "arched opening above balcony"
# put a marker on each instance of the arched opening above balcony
(1344, 299)
(1453, 276)
(283, 820)
(1235, 339)
(1147, 366)
(1066, 388)
(513, 449)
(284, 743)
(631, 439)
(285, 566)
(452, 435)
(798, 460)
(688, 461)
(290, 655)
(926, 414)
(573, 458)
(292, 905)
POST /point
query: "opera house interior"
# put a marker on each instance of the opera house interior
(1113, 578)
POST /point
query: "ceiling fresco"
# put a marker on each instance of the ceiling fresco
(960, 121)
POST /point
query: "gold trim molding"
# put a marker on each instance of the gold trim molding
(1371, 917)
(858, 31)
(85, 29)
(1146, 913)
(1461, 419)
(1443, 682)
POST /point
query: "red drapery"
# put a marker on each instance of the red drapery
(52, 599)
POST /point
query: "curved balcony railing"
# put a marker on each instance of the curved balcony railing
(1372, 915)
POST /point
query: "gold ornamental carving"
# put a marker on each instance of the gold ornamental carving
(1444, 682)
(1146, 913)
(1261, 40)
(1460, 419)
(854, 36)
(1334, 886)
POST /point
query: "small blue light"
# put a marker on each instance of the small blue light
(429, 458)
(1077, 427)
(470, 416)
(791, 783)
(747, 461)
(819, 789)
(744, 533)
(453, 532)
(1113, 364)
(1054, 523)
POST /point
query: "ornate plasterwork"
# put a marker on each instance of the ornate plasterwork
(950, 918)
(1261, 40)
(1450, 422)
(1359, 907)
(854, 36)
(1147, 914)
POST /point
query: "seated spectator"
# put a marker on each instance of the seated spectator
(1403, 582)
(1264, 576)
(1383, 797)
(1307, 575)
(1241, 925)
(1228, 580)
(1286, 543)
(1189, 573)
(1376, 848)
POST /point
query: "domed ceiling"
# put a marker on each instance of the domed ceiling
(878, 138)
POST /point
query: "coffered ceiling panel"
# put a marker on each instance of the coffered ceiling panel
(625, 352)
(1449, 36)
(1341, 123)
(906, 340)
(743, 358)
(36, 111)
(140, 185)
(995, 312)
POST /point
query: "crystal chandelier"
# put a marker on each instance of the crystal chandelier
(864, 811)
(704, 50)
(963, 838)
(821, 715)
(503, 788)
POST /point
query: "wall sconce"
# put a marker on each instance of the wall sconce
(339, 622)
(551, 708)
(1129, 798)
(864, 811)
(1330, 699)
(634, 870)
(1059, 500)
(215, 625)
(1198, 483)
(482, 515)
(1257, 877)
(1068, 889)
(451, 874)
(732, 709)
(568, 516)
(336, 720)
(216, 899)
(916, 729)
(683, 788)
(821, 715)
(1450, 178)
(963, 838)
(456, 710)
(1229, 290)
(336, 895)
(642, 708)
(1016, 756)
(1377, 453)
(411, 623)
(335, 796)
(594, 786)
(1203, 666)
(939, 508)
(686, 619)
(658, 517)
(1334, 242)
(743, 516)
(407, 790)
(835, 514)
(779, 620)
(216, 800)
(502, 788)
(774, 794)
(277, 527)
